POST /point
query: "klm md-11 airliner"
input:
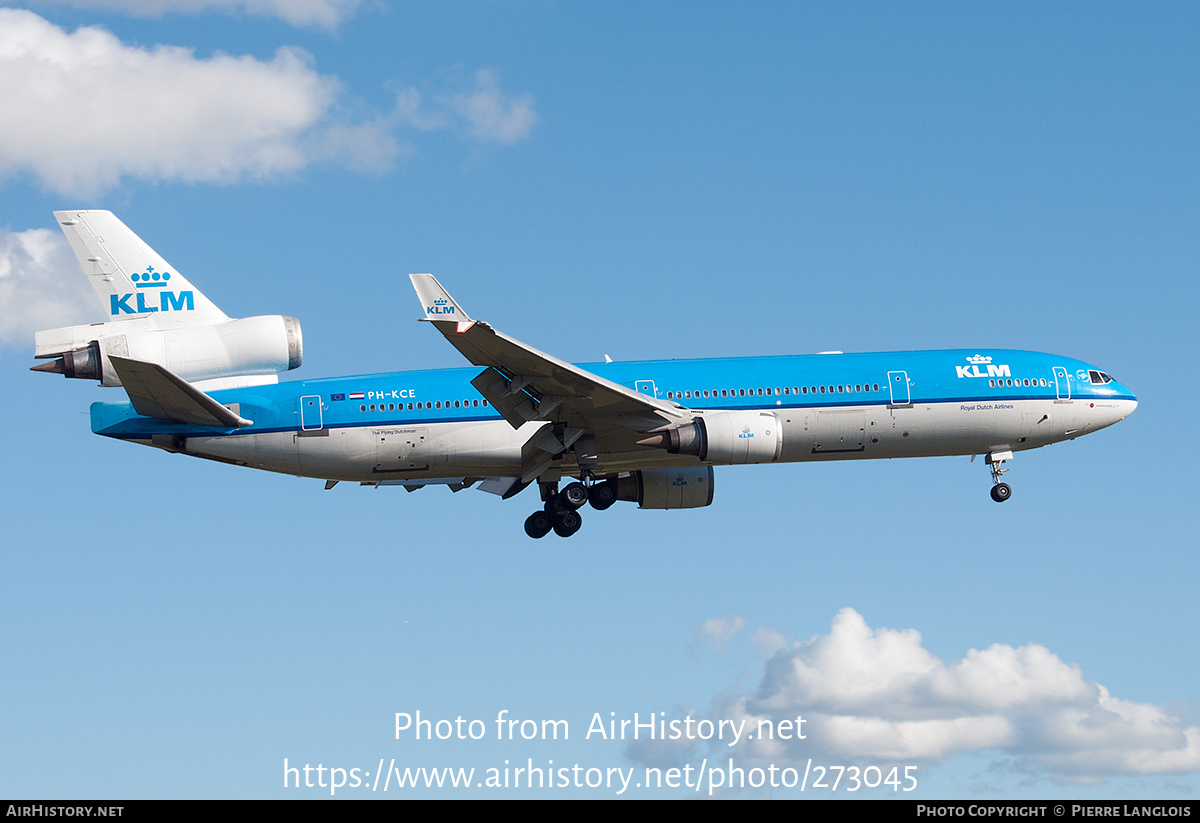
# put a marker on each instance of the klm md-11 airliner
(650, 432)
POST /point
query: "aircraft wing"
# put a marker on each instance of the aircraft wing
(158, 392)
(524, 384)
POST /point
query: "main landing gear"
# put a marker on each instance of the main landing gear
(1000, 491)
(560, 511)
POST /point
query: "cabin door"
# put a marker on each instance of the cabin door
(898, 386)
(645, 387)
(1060, 380)
(310, 412)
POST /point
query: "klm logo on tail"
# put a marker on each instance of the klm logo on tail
(440, 306)
(151, 279)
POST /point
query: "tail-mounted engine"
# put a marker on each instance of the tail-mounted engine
(249, 347)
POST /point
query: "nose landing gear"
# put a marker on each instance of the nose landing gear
(1000, 491)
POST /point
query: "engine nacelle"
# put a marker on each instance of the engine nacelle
(725, 438)
(249, 347)
(689, 488)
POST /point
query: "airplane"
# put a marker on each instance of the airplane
(651, 432)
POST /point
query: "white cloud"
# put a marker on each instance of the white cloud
(877, 695)
(35, 292)
(493, 115)
(483, 111)
(718, 630)
(767, 641)
(326, 13)
(83, 111)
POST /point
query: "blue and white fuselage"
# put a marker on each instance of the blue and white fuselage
(829, 406)
(203, 384)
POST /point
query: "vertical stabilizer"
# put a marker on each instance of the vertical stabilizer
(131, 279)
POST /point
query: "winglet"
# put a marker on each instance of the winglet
(437, 302)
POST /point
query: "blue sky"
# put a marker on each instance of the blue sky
(641, 180)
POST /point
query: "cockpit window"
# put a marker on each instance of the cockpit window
(1099, 377)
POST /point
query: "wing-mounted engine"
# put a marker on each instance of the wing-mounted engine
(250, 347)
(157, 316)
(689, 488)
(724, 438)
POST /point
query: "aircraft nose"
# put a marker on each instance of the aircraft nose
(1126, 403)
(1130, 400)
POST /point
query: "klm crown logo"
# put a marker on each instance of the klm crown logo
(150, 279)
(745, 433)
(440, 306)
(979, 359)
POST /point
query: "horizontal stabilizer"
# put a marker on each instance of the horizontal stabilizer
(158, 392)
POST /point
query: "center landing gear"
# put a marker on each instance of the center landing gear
(1000, 491)
(560, 511)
